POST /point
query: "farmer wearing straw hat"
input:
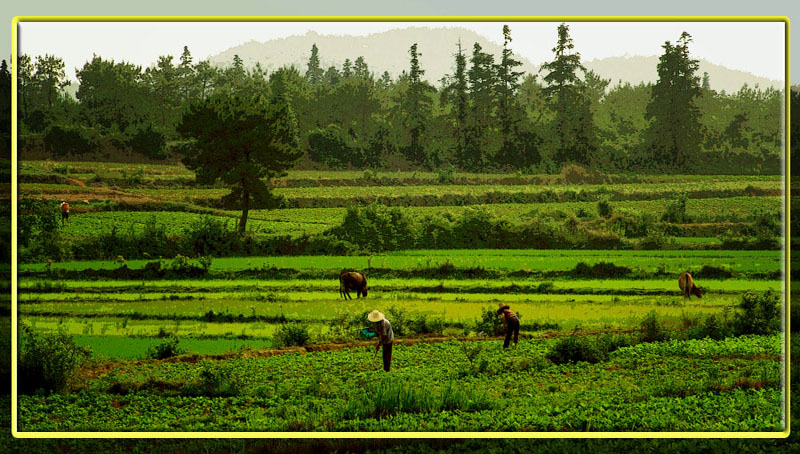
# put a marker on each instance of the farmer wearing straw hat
(385, 337)
(511, 321)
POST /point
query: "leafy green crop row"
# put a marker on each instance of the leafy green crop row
(342, 391)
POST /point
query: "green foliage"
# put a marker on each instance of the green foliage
(393, 396)
(376, 228)
(48, 362)
(759, 313)
(241, 140)
(166, 348)
(652, 329)
(674, 135)
(37, 217)
(604, 209)
(216, 379)
(573, 349)
(149, 142)
(490, 324)
(328, 146)
(292, 334)
(676, 210)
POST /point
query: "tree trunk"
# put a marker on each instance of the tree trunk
(245, 209)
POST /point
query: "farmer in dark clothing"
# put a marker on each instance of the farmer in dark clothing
(511, 321)
(385, 337)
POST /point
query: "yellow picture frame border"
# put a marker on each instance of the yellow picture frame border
(350, 435)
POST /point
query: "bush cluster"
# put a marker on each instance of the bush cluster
(48, 362)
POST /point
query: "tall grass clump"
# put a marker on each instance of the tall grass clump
(573, 349)
(393, 396)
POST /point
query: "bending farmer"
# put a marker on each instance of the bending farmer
(511, 321)
(385, 337)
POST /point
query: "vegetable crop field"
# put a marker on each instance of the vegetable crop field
(259, 339)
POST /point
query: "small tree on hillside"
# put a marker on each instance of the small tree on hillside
(242, 141)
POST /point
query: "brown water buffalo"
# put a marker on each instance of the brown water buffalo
(350, 280)
(686, 283)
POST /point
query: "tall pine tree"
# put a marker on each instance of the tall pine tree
(416, 106)
(509, 112)
(481, 121)
(314, 74)
(675, 134)
(573, 137)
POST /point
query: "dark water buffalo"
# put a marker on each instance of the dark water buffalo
(350, 280)
(686, 283)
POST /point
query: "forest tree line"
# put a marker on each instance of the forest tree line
(485, 116)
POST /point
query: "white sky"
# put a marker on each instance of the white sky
(755, 47)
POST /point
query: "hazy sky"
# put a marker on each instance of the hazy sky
(755, 47)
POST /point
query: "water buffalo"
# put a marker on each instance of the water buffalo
(350, 280)
(686, 283)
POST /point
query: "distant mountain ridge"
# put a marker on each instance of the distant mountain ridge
(388, 51)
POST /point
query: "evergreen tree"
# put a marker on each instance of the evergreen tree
(347, 68)
(50, 79)
(187, 79)
(674, 134)
(508, 111)
(456, 93)
(205, 75)
(572, 130)
(361, 69)
(481, 121)
(416, 106)
(5, 111)
(242, 141)
(314, 74)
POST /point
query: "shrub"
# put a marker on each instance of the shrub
(760, 313)
(651, 329)
(424, 324)
(577, 174)
(211, 236)
(165, 349)
(490, 324)
(36, 217)
(291, 334)
(217, 379)
(48, 362)
(600, 270)
(632, 224)
(713, 327)
(577, 348)
(399, 319)
(376, 228)
(714, 272)
(62, 140)
(328, 146)
(604, 209)
(148, 142)
(447, 175)
(676, 210)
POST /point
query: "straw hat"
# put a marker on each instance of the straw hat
(375, 316)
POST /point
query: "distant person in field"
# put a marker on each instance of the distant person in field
(688, 287)
(350, 280)
(64, 212)
(385, 337)
(511, 322)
